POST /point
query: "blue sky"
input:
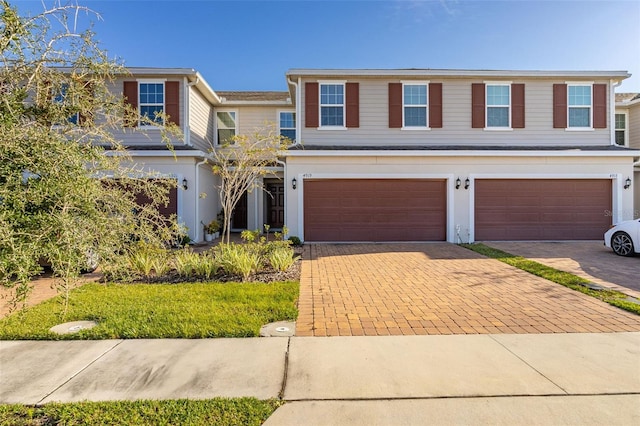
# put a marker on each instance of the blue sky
(249, 45)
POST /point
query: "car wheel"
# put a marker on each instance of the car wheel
(622, 244)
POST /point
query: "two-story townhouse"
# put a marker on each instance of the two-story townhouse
(455, 155)
(188, 101)
(206, 119)
(627, 125)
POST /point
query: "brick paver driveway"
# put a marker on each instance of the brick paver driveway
(437, 288)
(587, 259)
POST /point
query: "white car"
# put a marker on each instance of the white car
(624, 238)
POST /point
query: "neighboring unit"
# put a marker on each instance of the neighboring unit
(627, 125)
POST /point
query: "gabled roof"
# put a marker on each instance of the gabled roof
(254, 97)
(627, 98)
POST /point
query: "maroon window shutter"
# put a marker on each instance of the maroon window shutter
(435, 105)
(395, 105)
(517, 106)
(559, 106)
(599, 106)
(477, 105)
(130, 92)
(311, 101)
(353, 104)
(172, 101)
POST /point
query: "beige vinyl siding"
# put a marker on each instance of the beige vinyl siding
(456, 109)
(134, 136)
(201, 120)
(634, 126)
(250, 119)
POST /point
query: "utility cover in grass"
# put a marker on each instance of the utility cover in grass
(72, 327)
(278, 329)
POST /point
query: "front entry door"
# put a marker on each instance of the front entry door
(275, 204)
(239, 215)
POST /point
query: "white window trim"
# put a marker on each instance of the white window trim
(343, 83)
(580, 129)
(626, 126)
(164, 101)
(215, 127)
(294, 128)
(416, 83)
(487, 106)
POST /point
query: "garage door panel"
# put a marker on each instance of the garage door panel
(375, 210)
(541, 209)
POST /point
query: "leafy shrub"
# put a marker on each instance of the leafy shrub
(295, 241)
(249, 236)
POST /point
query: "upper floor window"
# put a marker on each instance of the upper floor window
(288, 125)
(579, 105)
(332, 105)
(621, 129)
(498, 105)
(414, 101)
(151, 102)
(62, 97)
(226, 126)
(155, 100)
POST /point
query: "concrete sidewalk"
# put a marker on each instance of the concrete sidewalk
(501, 379)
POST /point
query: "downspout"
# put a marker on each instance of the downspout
(187, 97)
(197, 175)
(286, 191)
(298, 86)
(612, 109)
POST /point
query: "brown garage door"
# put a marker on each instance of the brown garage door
(542, 209)
(375, 210)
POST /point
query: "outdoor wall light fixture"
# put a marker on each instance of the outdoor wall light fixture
(294, 183)
(458, 183)
(467, 183)
(627, 183)
(185, 184)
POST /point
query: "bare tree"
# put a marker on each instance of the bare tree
(241, 162)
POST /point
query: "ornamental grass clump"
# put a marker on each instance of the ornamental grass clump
(281, 258)
(148, 261)
(238, 259)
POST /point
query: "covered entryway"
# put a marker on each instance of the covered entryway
(542, 209)
(375, 210)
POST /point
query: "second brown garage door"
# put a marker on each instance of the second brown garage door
(542, 209)
(375, 210)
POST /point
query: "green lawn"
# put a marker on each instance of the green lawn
(136, 311)
(566, 279)
(219, 412)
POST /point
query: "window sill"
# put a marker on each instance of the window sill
(150, 127)
(580, 129)
(414, 128)
(498, 129)
(332, 128)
